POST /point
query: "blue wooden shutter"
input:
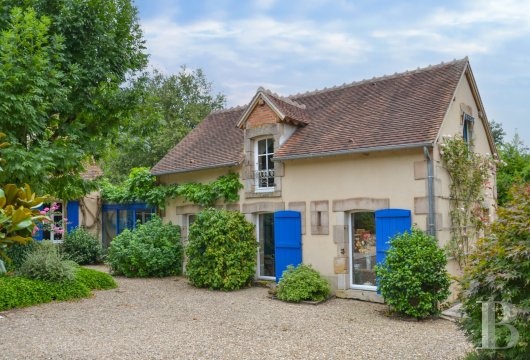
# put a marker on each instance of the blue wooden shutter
(72, 213)
(389, 223)
(287, 241)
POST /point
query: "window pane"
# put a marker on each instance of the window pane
(270, 146)
(266, 245)
(262, 146)
(262, 163)
(363, 246)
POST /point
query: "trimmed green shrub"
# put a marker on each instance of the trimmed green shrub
(45, 262)
(82, 247)
(17, 253)
(95, 280)
(499, 270)
(152, 249)
(302, 283)
(413, 278)
(221, 250)
(18, 292)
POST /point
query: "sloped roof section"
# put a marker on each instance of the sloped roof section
(390, 111)
(292, 110)
(215, 142)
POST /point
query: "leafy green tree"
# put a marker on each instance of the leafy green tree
(514, 168)
(62, 69)
(499, 270)
(498, 132)
(169, 107)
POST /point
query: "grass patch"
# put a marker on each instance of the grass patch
(18, 291)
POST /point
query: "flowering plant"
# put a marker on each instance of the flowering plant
(470, 181)
(53, 221)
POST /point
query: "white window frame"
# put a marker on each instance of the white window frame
(258, 269)
(350, 255)
(52, 233)
(256, 164)
(188, 224)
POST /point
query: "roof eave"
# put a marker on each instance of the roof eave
(209, 167)
(355, 151)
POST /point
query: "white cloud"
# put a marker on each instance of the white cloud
(251, 43)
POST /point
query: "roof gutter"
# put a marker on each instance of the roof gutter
(216, 166)
(355, 151)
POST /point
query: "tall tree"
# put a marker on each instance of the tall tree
(169, 107)
(498, 132)
(62, 69)
(514, 169)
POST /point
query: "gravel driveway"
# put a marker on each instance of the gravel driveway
(169, 319)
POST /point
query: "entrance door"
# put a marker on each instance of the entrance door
(363, 250)
(266, 259)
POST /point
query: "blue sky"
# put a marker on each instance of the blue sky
(300, 45)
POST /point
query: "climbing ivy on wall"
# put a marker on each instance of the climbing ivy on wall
(142, 186)
(470, 179)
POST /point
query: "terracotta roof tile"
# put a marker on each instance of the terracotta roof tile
(215, 142)
(406, 108)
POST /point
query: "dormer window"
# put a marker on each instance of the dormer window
(468, 128)
(264, 170)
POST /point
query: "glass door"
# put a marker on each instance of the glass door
(265, 231)
(363, 250)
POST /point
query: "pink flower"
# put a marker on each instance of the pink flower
(46, 209)
(35, 229)
(65, 219)
(42, 212)
(55, 206)
(58, 231)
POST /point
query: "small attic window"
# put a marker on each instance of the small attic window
(468, 121)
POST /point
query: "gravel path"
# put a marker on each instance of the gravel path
(169, 319)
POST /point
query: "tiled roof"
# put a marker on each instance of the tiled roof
(291, 109)
(215, 142)
(396, 110)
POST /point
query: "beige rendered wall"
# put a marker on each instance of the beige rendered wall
(90, 213)
(376, 180)
(376, 176)
(453, 126)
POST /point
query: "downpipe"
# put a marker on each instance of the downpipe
(431, 227)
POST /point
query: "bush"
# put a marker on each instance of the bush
(17, 292)
(152, 249)
(498, 270)
(221, 250)
(17, 253)
(302, 283)
(45, 262)
(413, 278)
(82, 247)
(95, 280)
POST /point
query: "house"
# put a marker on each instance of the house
(358, 163)
(103, 220)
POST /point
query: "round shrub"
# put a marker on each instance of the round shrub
(302, 283)
(82, 247)
(499, 270)
(221, 250)
(46, 263)
(413, 278)
(151, 249)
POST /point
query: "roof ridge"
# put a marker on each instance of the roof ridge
(230, 109)
(378, 78)
(282, 98)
